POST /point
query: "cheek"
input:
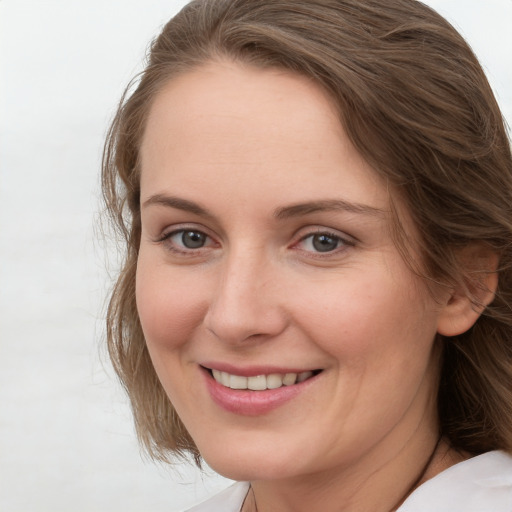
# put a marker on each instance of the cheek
(170, 305)
(363, 318)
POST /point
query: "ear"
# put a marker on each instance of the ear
(466, 302)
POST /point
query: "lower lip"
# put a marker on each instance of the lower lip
(253, 403)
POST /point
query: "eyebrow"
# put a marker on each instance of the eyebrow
(294, 210)
(178, 203)
(301, 209)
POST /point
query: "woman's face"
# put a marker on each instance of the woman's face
(266, 262)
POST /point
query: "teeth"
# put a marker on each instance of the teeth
(289, 379)
(235, 382)
(274, 381)
(224, 377)
(260, 382)
(304, 376)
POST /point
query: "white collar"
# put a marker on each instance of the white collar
(479, 484)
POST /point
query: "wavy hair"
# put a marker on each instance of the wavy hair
(416, 104)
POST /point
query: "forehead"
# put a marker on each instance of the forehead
(235, 96)
(258, 132)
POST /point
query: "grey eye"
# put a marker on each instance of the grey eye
(193, 239)
(324, 242)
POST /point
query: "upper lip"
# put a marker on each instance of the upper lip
(254, 370)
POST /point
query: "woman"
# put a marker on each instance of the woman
(316, 298)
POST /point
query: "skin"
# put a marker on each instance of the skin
(233, 145)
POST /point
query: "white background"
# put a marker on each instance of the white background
(66, 437)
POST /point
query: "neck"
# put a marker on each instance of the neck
(384, 490)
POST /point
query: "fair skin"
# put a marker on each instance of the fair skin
(266, 249)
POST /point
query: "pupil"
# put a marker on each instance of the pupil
(324, 243)
(193, 239)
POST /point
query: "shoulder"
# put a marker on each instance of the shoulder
(479, 484)
(229, 500)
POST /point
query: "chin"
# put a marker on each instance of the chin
(251, 463)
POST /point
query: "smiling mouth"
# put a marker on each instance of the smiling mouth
(261, 382)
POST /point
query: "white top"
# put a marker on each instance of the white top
(480, 484)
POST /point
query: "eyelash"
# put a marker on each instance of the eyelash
(172, 246)
(342, 243)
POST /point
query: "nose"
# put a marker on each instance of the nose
(245, 304)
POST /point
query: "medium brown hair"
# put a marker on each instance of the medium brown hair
(415, 102)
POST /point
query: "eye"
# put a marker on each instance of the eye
(190, 239)
(184, 240)
(322, 242)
